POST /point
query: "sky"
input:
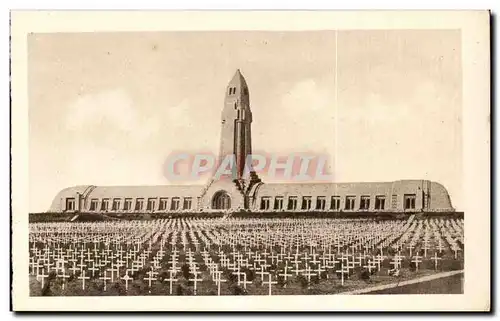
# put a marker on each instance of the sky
(109, 108)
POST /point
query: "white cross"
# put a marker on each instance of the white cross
(262, 273)
(33, 264)
(360, 259)
(93, 269)
(435, 258)
(440, 247)
(34, 248)
(410, 247)
(395, 262)
(274, 257)
(218, 280)
(319, 270)
(84, 277)
(426, 247)
(306, 257)
(308, 274)
(195, 280)
(270, 282)
(417, 260)
(315, 258)
(324, 258)
(370, 266)
(59, 265)
(265, 265)
(244, 282)
(171, 279)
(127, 278)
(379, 259)
(64, 276)
(342, 271)
(104, 278)
(237, 273)
(43, 276)
(173, 261)
(285, 274)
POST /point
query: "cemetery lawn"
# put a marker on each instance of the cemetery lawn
(329, 286)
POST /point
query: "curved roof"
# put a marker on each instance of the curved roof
(146, 191)
(57, 202)
(439, 195)
(355, 188)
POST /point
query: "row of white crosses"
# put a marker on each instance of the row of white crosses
(116, 250)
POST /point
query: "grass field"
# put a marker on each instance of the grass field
(447, 285)
(241, 256)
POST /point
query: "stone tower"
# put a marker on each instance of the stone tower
(236, 134)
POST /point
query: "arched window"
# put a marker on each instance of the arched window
(221, 201)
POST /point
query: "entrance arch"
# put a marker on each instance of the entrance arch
(221, 201)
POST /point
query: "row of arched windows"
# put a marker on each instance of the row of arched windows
(351, 202)
(134, 204)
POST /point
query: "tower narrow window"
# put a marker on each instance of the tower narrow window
(306, 202)
(187, 203)
(320, 203)
(380, 202)
(278, 202)
(116, 204)
(70, 204)
(364, 203)
(335, 203)
(105, 204)
(163, 204)
(127, 205)
(151, 204)
(93, 204)
(292, 203)
(409, 201)
(138, 204)
(264, 203)
(349, 203)
(174, 206)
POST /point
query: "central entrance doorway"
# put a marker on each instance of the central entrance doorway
(221, 201)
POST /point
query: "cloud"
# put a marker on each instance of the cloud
(179, 115)
(113, 107)
(308, 97)
(370, 138)
(293, 119)
(110, 140)
(109, 115)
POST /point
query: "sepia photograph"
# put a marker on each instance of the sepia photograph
(266, 164)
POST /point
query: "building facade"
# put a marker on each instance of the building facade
(246, 191)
